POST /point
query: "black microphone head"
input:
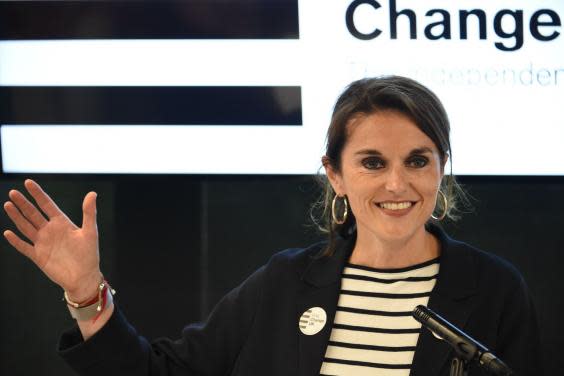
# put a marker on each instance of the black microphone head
(421, 314)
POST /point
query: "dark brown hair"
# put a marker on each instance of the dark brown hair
(370, 95)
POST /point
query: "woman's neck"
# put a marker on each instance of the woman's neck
(374, 252)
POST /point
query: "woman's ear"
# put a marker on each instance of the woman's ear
(334, 176)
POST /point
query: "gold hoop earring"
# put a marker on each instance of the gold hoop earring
(445, 207)
(345, 212)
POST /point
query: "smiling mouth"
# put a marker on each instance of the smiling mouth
(395, 205)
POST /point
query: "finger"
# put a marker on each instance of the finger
(89, 212)
(20, 221)
(29, 210)
(22, 246)
(43, 200)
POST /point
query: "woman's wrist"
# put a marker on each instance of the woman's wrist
(87, 289)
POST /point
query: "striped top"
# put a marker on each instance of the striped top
(374, 333)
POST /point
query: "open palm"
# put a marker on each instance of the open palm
(66, 253)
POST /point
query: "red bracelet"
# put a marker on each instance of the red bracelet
(104, 301)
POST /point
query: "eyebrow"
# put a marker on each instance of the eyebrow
(421, 150)
(368, 152)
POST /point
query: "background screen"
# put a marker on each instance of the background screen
(247, 87)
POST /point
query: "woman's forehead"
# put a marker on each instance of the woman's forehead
(386, 131)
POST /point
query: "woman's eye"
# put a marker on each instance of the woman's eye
(372, 163)
(417, 162)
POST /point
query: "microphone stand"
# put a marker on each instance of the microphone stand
(458, 367)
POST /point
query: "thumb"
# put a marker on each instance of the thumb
(89, 212)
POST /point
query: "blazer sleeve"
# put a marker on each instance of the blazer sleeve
(518, 334)
(210, 348)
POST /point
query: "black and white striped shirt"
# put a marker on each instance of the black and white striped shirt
(373, 332)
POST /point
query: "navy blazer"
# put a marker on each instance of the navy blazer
(254, 329)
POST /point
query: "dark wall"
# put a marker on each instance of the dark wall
(173, 245)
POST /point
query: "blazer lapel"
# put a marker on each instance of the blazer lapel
(312, 347)
(454, 298)
(322, 282)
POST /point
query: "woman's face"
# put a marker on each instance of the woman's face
(390, 172)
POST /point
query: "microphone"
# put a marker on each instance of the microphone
(465, 346)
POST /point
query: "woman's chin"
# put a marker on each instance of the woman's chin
(394, 232)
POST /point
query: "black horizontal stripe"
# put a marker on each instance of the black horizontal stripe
(374, 313)
(186, 19)
(371, 347)
(185, 105)
(382, 280)
(394, 270)
(367, 364)
(375, 330)
(385, 295)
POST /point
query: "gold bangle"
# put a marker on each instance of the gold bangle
(87, 302)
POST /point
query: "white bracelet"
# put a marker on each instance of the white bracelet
(91, 311)
(83, 313)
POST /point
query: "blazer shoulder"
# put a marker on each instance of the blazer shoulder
(489, 265)
(296, 259)
(297, 256)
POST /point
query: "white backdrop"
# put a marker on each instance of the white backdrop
(506, 107)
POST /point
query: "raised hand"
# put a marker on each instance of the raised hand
(66, 253)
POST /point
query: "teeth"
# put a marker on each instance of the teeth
(395, 205)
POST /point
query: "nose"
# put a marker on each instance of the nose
(396, 181)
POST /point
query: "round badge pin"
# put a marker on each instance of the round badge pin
(312, 321)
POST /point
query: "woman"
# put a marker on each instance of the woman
(342, 307)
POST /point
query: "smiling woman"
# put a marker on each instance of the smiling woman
(387, 147)
(342, 307)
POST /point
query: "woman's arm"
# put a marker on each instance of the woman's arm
(69, 256)
(66, 253)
